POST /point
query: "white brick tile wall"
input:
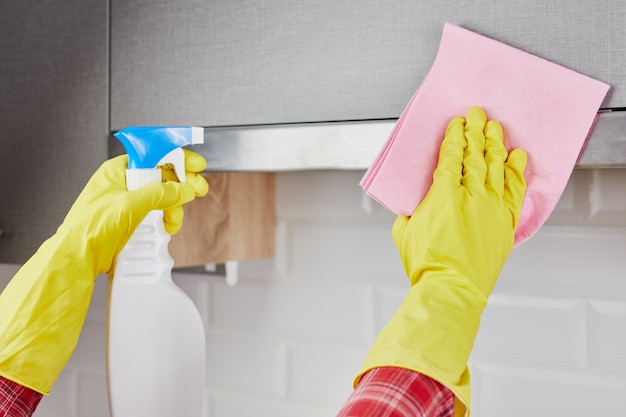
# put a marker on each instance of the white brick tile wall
(90, 354)
(91, 402)
(358, 250)
(264, 362)
(607, 336)
(305, 195)
(573, 205)
(239, 405)
(317, 311)
(98, 305)
(63, 399)
(310, 365)
(533, 331)
(522, 392)
(574, 261)
(287, 340)
(608, 197)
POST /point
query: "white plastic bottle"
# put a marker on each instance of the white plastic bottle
(156, 340)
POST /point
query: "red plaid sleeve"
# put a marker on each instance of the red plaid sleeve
(398, 392)
(16, 400)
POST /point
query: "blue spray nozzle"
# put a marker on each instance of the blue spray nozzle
(151, 146)
(146, 146)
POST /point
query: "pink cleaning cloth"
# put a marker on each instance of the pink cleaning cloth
(544, 108)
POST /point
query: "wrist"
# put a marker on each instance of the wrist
(432, 332)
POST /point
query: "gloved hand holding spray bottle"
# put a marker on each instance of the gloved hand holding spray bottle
(156, 341)
(44, 306)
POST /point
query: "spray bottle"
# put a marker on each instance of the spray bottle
(156, 341)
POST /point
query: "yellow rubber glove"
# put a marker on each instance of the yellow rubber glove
(453, 248)
(43, 307)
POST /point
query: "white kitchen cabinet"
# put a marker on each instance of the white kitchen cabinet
(242, 62)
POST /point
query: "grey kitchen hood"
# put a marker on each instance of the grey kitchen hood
(353, 145)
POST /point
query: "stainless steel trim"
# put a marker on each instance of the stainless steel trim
(353, 145)
(295, 147)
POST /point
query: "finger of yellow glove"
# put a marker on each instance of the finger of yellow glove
(197, 181)
(194, 161)
(474, 167)
(194, 164)
(161, 196)
(495, 155)
(199, 184)
(514, 182)
(450, 164)
(173, 219)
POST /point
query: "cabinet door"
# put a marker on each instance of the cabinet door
(237, 62)
(54, 114)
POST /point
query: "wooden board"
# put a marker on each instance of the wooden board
(234, 221)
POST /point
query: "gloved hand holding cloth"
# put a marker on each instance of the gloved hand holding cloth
(453, 248)
(44, 306)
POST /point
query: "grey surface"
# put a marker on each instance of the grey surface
(243, 62)
(53, 114)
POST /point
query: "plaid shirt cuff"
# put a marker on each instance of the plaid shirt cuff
(398, 392)
(16, 400)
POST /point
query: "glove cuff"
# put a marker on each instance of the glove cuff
(432, 333)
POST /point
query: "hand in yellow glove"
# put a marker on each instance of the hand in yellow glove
(453, 248)
(43, 307)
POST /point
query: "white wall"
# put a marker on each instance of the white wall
(288, 339)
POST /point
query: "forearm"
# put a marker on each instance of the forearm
(432, 333)
(42, 312)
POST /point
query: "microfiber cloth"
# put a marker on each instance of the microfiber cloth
(544, 108)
